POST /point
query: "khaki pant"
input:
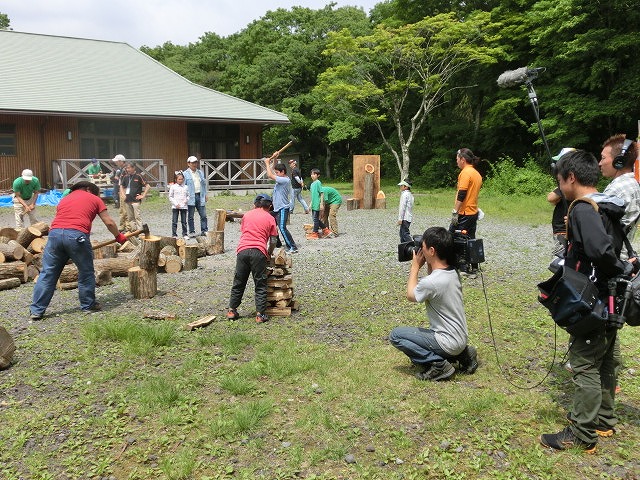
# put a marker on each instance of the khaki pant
(134, 219)
(19, 212)
(122, 213)
(330, 216)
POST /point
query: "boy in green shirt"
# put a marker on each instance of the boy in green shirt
(317, 203)
(332, 202)
(94, 168)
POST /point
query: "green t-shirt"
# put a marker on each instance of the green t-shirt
(331, 196)
(26, 190)
(94, 169)
(315, 188)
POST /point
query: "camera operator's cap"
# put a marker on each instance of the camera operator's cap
(192, 159)
(564, 151)
(262, 197)
(404, 184)
(27, 174)
(292, 160)
(93, 160)
(119, 158)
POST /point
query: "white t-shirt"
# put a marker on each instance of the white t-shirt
(442, 293)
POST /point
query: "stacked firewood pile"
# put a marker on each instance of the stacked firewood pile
(21, 254)
(280, 285)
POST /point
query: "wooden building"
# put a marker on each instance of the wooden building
(73, 98)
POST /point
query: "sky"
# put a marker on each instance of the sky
(148, 22)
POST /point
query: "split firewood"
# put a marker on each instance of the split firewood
(278, 311)
(202, 322)
(159, 315)
(162, 260)
(219, 219)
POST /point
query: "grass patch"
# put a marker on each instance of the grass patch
(138, 337)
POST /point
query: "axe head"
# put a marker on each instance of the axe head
(145, 230)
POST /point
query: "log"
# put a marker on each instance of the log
(26, 236)
(169, 250)
(143, 283)
(37, 245)
(12, 250)
(201, 322)
(190, 257)
(29, 258)
(7, 348)
(118, 266)
(381, 203)
(149, 251)
(174, 242)
(280, 294)
(32, 272)
(219, 219)
(103, 277)
(215, 242)
(69, 274)
(108, 251)
(9, 232)
(17, 269)
(368, 194)
(42, 227)
(2, 258)
(67, 285)
(353, 203)
(162, 260)
(278, 311)
(8, 283)
(173, 264)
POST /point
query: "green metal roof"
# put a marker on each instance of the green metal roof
(52, 75)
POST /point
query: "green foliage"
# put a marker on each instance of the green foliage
(505, 178)
(137, 336)
(4, 21)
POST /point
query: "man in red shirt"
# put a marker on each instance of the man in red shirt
(69, 239)
(257, 229)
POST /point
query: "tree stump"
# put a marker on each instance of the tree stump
(149, 252)
(7, 348)
(143, 283)
(219, 220)
(215, 242)
(190, 257)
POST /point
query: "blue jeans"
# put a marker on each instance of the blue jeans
(297, 195)
(405, 236)
(419, 344)
(62, 245)
(317, 223)
(202, 213)
(175, 212)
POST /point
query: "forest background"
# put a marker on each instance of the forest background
(413, 81)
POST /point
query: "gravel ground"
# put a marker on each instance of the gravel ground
(367, 243)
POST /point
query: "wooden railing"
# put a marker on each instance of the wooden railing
(69, 171)
(234, 174)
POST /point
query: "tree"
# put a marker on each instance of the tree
(395, 77)
(4, 21)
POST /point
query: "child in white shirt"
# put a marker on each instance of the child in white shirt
(179, 196)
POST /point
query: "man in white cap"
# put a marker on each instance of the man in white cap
(197, 186)
(25, 194)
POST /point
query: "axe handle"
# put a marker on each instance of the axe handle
(285, 147)
(109, 242)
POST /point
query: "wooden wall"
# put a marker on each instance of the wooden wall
(42, 139)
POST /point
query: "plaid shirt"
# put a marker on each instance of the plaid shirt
(626, 188)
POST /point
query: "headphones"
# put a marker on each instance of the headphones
(619, 162)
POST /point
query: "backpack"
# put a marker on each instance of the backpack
(627, 299)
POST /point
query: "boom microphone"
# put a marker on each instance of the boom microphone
(511, 78)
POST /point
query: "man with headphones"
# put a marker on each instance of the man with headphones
(616, 162)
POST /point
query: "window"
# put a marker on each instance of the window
(217, 140)
(106, 138)
(8, 139)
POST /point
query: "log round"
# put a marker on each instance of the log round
(7, 283)
(9, 232)
(37, 245)
(26, 236)
(173, 264)
(190, 257)
(149, 251)
(12, 250)
(15, 269)
(42, 227)
(143, 283)
(118, 266)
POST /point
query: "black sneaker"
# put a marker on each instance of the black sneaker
(96, 307)
(438, 371)
(35, 317)
(468, 360)
(566, 439)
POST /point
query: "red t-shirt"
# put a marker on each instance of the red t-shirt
(256, 228)
(78, 210)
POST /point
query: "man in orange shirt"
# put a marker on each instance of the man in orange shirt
(465, 208)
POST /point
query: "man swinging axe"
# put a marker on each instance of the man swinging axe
(69, 238)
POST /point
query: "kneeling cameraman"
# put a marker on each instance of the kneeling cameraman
(434, 349)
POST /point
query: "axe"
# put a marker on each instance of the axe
(144, 229)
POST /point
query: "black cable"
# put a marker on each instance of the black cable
(495, 347)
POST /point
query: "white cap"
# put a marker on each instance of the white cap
(192, 159)
(564, 151)
(27, 174)
(404, 184)
(119, 158)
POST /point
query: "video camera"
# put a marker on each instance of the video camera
(467, 250)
